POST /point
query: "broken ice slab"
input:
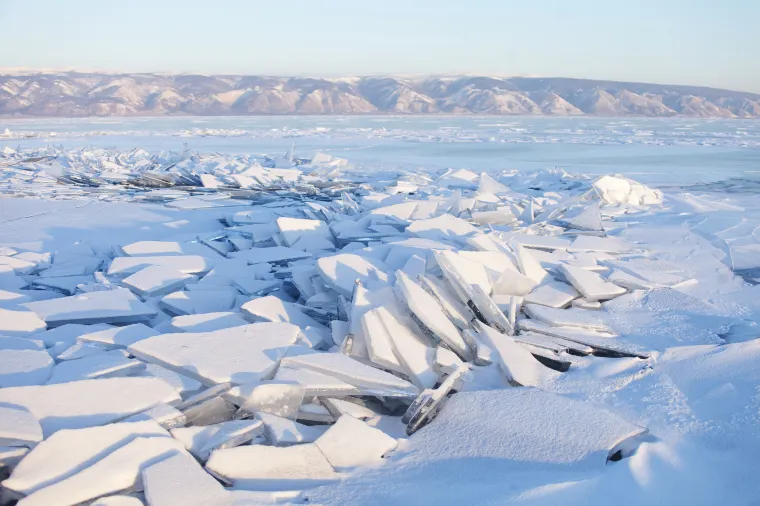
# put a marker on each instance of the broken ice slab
(20, 323)
(615, 190)
(256, 287)
(166, 416)
(529, 264)
(210, 412)
(426, 406)
(157, 280)
(518, 365)
(67, 452)
(379, 345)
(315, 413)
(611, 245)
(191, 302)
(443, 228)
(9, 300)
(583, 438)
(353, 372)
(184, 385)
(587, 304)
(572, 317)
(276, 398)
(111, 306)
(546, 242)
(588, 218)
(239, 354)
(207, 322)
(272, 309)
(20, 343)
(272, 468)
(24, 367)
(66, 335)
(18, 265)
(426, 308)
(11, 455)
(118, 337)
(186, 264)
(630, 281)
(342, 270)
(117, 500)
(65, 285)
(164, 248)
(18, 427)
(114, 473)
(201, 441)
(590, 284)
(283, 432)
(89, 402)
(108, 364)
(457, 312)
(180, 480)
(464, 267)
(339, 407)
(318, 384)
(553, 294)
(351, 442)
(413, 354)
(273, 255)
(599, 341)
(446, 361)
(305, 235)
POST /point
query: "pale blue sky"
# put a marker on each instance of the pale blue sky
(700, 42)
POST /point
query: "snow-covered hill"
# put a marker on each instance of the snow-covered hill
(87, 94)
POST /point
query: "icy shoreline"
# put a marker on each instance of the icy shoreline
(246, 329)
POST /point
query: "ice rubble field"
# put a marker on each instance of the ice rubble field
(197, 329)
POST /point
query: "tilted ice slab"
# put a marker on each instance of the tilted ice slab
(445, 227)
(207, 322)
(553, 294)
(350, 443)
(211, 300)
(572, 317)
(20, 323)
(201, 441)
(352, 371)
(590, 284)
(524, 427)
(165, 248)
(18, 427)
(109, 364)
(272, 309)
(180, 480)
(426, 308)
(156, 280)
(272, 468)
(515, 361)
(90, 402)
(283, 432)
(186, 264)
(274, 254)
(116, 472)
(306, 235)
(118, 337)
(341, 271)
(68, 452)
(238, 355)
(111, 306)
(24, 367)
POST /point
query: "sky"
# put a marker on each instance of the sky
(698, 42)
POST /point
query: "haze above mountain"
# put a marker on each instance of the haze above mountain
(71, 94)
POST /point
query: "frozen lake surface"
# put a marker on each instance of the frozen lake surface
(189, 315)
(657, 151)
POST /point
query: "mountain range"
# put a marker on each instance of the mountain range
(71, 94)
